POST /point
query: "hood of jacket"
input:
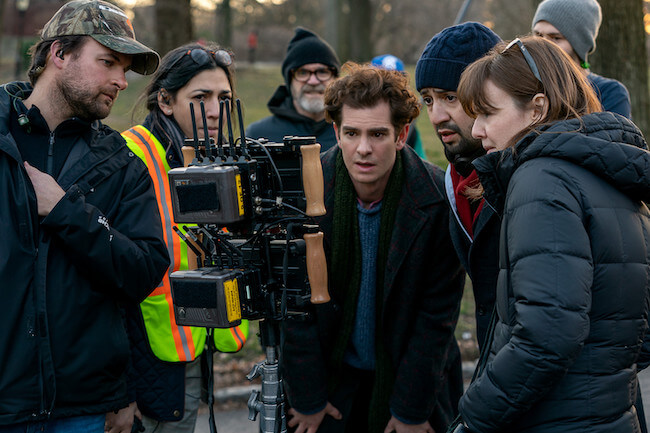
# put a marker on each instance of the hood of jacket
(607, 144)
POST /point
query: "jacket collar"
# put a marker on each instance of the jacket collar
(16, 89)
(105, 141)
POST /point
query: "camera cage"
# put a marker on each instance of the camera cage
(247, 208)
(250, 205)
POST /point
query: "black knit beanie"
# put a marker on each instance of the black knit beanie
(449, 52)
(307, 47)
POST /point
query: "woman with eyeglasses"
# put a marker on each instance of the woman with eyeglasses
(572, 296)
(165, 381)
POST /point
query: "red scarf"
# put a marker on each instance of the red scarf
(463, 206)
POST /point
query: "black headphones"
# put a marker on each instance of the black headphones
(59, 54)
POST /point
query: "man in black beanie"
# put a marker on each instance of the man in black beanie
(474, 227)
(297, 106)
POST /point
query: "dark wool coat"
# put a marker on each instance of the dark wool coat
(572, 293)
(479, 256)
(63, 277)
(287, 121)
(422, 290)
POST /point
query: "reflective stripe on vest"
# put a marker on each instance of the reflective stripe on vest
(168, 341)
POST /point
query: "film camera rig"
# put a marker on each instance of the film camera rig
(250, 205)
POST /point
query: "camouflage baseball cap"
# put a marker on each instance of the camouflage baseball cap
(105, 23)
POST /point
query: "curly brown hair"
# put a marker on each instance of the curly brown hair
(364, 86)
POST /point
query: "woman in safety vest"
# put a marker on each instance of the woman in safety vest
(165, 384)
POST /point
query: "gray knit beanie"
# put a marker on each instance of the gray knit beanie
(577, 20)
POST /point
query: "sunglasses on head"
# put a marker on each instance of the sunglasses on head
(529, 59)
(201, 56)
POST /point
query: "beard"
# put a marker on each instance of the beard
(309, 103)
(82, 100)
(464, 152)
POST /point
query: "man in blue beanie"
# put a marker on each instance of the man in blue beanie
(474, 227)
(297, 105)
(573, 25)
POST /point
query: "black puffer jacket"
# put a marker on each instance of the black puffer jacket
(63, 347)
(287, 121)
(572, 293)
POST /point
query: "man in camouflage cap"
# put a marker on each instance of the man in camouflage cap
(105, 23)
(80, 228)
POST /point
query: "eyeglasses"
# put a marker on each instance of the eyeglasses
(201, 56)
(303, 75)
(529, 59)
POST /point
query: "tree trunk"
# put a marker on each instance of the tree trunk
(510, 19)
(360, 29)
(173, 24)
(331, 23)
(354, 30)
(224, 24)
(621, 54)
(2, 17)
(343, 41)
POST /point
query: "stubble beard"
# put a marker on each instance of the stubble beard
(82, 102)
(466, 145)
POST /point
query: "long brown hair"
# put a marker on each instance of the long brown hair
(569, 95)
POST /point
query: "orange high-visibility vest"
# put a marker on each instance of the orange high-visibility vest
(168, 341)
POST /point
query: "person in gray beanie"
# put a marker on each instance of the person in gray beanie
(297, 106)
(573, 25)
(474, 227)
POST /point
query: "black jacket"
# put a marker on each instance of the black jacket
(64, 348)
(479, 256)
(572, 293)
(287, 121)
(422, 291)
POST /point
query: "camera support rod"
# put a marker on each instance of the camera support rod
(269, 401)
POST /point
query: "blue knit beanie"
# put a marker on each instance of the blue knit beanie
(449, 52)
(307, 47)
(577, 20)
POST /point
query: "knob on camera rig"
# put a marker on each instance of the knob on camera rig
(250, 208)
